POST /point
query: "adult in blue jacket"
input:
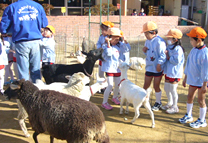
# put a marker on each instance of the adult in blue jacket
(25, 18)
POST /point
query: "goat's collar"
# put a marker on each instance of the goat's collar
(87, 72)
(91, 91)
(121, 81)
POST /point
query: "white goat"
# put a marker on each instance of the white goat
(133, 94)
(136, 63)
(75, 86)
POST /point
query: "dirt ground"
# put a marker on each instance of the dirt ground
(167, 128)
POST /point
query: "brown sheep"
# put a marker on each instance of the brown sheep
(62, 116)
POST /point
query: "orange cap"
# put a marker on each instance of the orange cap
(114, 32)
(150, 25)
(174, 33)
(122, 34)
(51, 28)
(108, 23)
(197, 32)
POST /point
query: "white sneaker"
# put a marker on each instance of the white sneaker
(172, 110)
(165, 107)
(198, 123)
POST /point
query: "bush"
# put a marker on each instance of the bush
(2, 8)
(47, 7)
(95, 10)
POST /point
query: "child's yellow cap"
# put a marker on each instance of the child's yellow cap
(108, 23)
(114, 32)
(174, 33)
(149, 26)
(51, 28)
(197, 32)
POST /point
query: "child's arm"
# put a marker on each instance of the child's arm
(204, 69)
(176, 57)
(47, 44)
(99, 44)
(184, 81)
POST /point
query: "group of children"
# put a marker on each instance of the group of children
(7, 54)
(160, 60)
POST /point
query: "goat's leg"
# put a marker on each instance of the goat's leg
(23, 127)
(136, 110)
(148, 107)
(22, 115)
(127, 107)
(35, 134)
(121, 105)
(51, 139)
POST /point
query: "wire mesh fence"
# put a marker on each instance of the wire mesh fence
(67, 44)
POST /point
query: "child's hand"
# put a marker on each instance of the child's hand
(184, 83)
(107, 40)
(145, 49)
(204, 87)
(158, 68)
(12, 51)
(167, 55)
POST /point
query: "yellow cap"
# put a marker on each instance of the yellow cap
(114, 32)
(149, 26)
(122, 34)
(108, 23)
(51, 28)
(174, 33)
(197, 32)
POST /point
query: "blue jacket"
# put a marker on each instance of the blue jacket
(100, 41)
(155, 53)
(174, 66)
(47, 46)
(24, 18)
(112, 56)
(196, 68)
(4, 50)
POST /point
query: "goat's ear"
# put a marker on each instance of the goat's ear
(84, 53)
(14, 86)
(68, 77)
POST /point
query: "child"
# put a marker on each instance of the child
(142, 12)
(173, 69)
(8, 70)
(48, 46)
(196, 75)
(155, 58)
(4, 50)
(134, 13)
(104, 28)
(113, 52)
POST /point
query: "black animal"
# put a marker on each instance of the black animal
(63, 116)
(57, 72)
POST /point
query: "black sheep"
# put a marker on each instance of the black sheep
(57, 72)
(62, 116)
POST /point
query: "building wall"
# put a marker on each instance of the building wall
(131, 25)
(174, 6)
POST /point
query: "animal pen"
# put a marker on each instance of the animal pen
(67, 44)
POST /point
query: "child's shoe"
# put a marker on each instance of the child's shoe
(107, 106)
(198, 123)
(165, 107)
(185, 119)
(116, 101)
(172, 110)
(157, 106)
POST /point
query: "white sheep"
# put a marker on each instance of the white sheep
(133, 94)
(75, 87)
(136, 63)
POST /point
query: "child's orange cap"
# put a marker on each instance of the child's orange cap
(197, 32)
(122, 34)
(108, 23)
(174, 33)
(51, 28)
(149, 26)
